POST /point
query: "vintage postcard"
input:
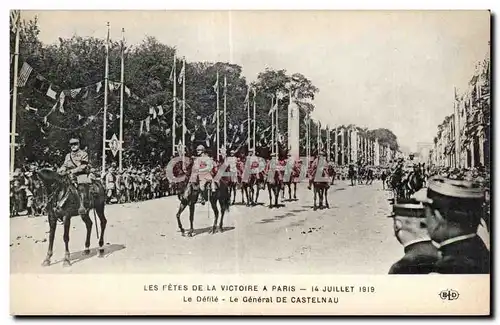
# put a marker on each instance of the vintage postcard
(250, 162)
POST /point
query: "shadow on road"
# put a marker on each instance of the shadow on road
(78, 257)
(276, 218)
(207, 230)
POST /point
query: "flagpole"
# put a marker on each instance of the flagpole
(272, 125)
(174, 108)
(183, 107)
(217, 113)
(122, 80)
(225, 116)
(328, 142)
(248, 120)
(317, 137)
(105, 114)
(277, 126)
(254, 121)
(14, 96)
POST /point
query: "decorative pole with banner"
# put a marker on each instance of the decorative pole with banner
(272, 123)
(183, 107)
(254, 119)
(174, 105)
(225, 115)
(216, 86)
(16, 17)
(105, 114)
(122, 80)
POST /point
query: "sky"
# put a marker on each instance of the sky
(391, 69)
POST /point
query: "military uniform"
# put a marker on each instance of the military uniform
(77, 162)
(459, 204)
(420, 255)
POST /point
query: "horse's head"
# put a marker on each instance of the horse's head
(48, 176)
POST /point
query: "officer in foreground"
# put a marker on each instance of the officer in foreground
(453, 210)
(77, 164)
(410, 229)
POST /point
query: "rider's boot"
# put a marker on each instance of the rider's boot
(83, 193)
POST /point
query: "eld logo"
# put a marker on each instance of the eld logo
(449, 294)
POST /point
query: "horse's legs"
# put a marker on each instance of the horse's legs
(88, 224)
(277, 194)
(102, 219)
(294, 190)
(182, 206)
(52, 225)
(269, 189)
(290, 191)
(191, 219)
(67, 225)
(315, 191)
(320, 194)
(213, 204)
(223, 211)
(326, 199)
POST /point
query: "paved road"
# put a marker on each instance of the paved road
(352, 237)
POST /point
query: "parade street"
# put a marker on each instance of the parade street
(354, 236)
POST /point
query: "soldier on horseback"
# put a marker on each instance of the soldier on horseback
(314, 166)
(203, 175)
(77, 164)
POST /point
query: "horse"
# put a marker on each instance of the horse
(293, 180)
(274, 186)
(415, 182)
(221, 195)
(60, 186)
(320, 188)
(396, 183)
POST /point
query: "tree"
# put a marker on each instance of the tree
(385, 137)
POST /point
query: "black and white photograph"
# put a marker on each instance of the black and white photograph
(240, 142)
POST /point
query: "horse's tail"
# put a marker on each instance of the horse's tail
(225, 199)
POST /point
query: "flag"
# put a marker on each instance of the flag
(167, 131)
(148, 121)
(111, 85)
(74, 92)
(127, 91)
(160, 110)
(216, 85)
(171, 77)
(182, 75)
(24, 74)
(15, 17)
(247, 98)
(99, 85)
(51, 93)
(29, 108)
(141, 127)
(86, 94)
(275, 106)
(61, 101)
